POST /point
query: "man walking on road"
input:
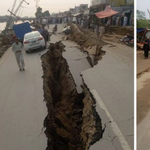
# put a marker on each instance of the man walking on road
(17, 48)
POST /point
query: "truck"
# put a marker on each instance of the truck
(21, 29)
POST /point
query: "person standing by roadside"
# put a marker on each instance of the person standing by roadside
(125, 20)
(146, 47)
(45, 35)
(97, 30)
(114, 20)
(102, 31)
(108, 22)
(117, 20)
(17, 48)
(122, 19)
(40, 30)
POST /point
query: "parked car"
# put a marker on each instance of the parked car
(32, 41)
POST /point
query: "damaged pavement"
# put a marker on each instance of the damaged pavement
(72, 121)
(76, 117)
(85, 94)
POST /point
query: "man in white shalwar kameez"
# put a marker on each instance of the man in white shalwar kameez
(17, 48)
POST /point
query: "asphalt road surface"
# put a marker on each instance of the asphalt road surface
(22, 110)
(143, 128)
(112, 84)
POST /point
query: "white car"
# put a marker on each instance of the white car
(33, 40)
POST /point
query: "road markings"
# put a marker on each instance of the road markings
(114, 126)
(4, 56)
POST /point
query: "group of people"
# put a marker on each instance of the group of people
(119, 20)
(100, 30)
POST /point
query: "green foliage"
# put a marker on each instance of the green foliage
(46, 13)
(143, 23)
(39, 13)
(140, 15)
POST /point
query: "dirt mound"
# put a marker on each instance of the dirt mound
(72, 122)
(120, 30)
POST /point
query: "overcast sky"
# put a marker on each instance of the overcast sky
(51, 5)
(143, 5)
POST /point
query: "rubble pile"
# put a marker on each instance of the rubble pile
(88, 41)
(72, 122)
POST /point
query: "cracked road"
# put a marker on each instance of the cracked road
(113, 80)
(22, 112)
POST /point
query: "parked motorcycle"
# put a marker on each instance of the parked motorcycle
(128, 40)
(130, 43)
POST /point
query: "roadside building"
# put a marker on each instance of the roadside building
(97, 2)
(72, 10)
(83, 7)
(77, 9)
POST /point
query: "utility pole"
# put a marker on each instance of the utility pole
(15, 13)
(12, 10)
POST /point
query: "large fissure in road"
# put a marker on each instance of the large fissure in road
(72, 122)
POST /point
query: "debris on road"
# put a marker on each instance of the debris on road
(72, 121)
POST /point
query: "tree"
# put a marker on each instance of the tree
(140, 15)
(141, 20)
(39, 13)
(46, 13)
(143, 23)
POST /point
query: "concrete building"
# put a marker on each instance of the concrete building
(77, 9)
(72, 10)
(83, 7)
(112, 2)
(97, 2)
(130, 1)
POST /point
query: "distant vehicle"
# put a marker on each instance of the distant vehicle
(33, 40)
(44, 21)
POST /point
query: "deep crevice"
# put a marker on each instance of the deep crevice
(72, 122)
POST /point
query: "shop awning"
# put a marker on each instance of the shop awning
(106, 13)
(140, 29)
